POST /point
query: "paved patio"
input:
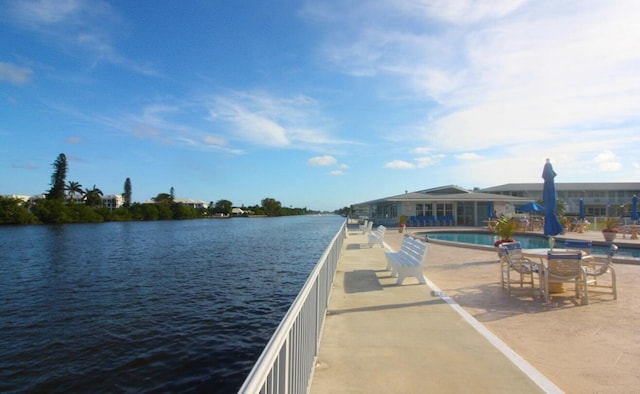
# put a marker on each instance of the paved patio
(380, 337)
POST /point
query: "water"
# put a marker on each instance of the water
(175, 306)
(527, 241)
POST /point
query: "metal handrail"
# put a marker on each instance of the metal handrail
(286, 363)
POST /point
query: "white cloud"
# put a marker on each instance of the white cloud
(506, 77)
(468, 156)
(399, 164)
(421, 150)
(264, 119)
(322, 161)
(608, 162)
(428, 161)
(14, 74)
(337, 172)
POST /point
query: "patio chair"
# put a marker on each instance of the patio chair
(582, 245)
(599, 269)
(578, 244)
(563, 267)
(513, 260)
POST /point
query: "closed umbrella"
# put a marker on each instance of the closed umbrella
(582, 215)
(552, 225)
(490, 209)
(634, 208)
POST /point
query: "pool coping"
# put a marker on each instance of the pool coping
(560, 237)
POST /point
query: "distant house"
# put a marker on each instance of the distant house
(464, 207)
(112, 201)
(188, 202)
(237, 211)
(600, 199)
(451, 204)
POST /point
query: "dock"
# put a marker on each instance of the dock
(461, 332)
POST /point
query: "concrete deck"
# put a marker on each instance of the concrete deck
(463, 333)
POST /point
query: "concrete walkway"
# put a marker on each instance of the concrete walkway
(379, 337)
(383, 338)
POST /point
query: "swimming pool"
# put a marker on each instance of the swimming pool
(527, 241)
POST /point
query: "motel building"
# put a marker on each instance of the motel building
(455, 206)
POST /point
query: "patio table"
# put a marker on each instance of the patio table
(541, 253)
(634, 230)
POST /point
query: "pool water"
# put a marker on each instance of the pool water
(527, 241)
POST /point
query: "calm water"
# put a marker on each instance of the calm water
(176, 306)
(527, 241)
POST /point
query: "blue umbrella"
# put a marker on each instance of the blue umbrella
(552, 225)
(490, 209)
(530, 207)
(634, 208)
(582, 215)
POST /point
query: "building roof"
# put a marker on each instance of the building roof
(565, 186)
(453, 193)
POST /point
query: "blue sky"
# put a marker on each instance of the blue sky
(316, 104)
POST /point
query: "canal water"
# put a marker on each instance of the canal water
(169, 306)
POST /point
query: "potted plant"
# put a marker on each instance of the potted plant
(402, 223)
(610, 231)
(505, 228)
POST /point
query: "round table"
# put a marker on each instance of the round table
(541, 253)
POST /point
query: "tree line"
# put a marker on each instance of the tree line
(68, 202)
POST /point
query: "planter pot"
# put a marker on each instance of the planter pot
(401, 229)
(609, 236)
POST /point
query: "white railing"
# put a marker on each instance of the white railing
(286, 363)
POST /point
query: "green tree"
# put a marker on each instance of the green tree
(52, 211)
(271, 207)
(58, 178)
(72, 188)
(126, 196)
(14, 211)
(81, 213)
(93, 197)
(163, 202)
(223, 206)
(163, 198)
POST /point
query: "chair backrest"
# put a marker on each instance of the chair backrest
(601, 269)
(512, 249)
(511, 246)
(564, 266)
(578, 244)
(414, 248)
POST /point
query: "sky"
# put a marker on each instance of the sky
(317, 104)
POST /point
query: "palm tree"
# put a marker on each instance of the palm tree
(72, 189)
(93, 197)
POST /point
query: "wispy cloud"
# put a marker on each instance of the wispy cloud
(74, 140)
(261, 118)
(322, 161)
(84, 27)
(14, 74)
(400, 164)
(468, 156)
(28, 166)
(500, 75)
